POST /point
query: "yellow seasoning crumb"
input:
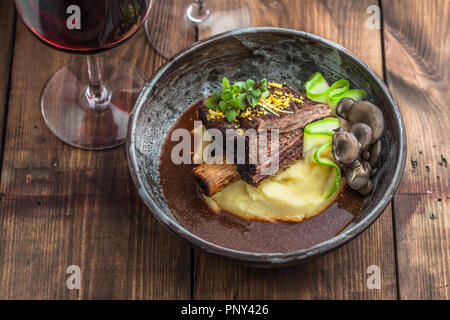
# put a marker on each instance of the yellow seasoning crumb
(276, 85)
(215, 114)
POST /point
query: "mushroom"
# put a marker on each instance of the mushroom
(344, 107)
(366, 189)
(368, 113)
(345, 147)
(354, 164)
(372, 172)
(365, 155)
(375, 151)
(358, 177)
(363, 133)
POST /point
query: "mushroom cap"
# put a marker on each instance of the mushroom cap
(358, 177)
(344, 107)
(365, 155)
(375, 152)
(345, 147)
(363, 133)
(370, 114)
(366, 189)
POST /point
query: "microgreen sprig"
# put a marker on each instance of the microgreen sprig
(237, 97)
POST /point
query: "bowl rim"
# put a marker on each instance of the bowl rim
(270, 258)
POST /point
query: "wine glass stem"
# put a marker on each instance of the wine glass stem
(198, 12)
(97, 94)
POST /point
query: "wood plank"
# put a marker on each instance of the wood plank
(64, 206)
(343, 273)
(418, 74)
(7, 35)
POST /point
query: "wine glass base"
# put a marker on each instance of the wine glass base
(71, 116)
(169, 29)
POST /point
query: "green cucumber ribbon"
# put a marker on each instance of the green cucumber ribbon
(317, 89)
(329, 163)
(324, 126)
(322, 131)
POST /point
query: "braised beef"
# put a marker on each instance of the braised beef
(300, 112)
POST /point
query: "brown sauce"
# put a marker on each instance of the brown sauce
(228, 230)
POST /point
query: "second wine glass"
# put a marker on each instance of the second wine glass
(173, 25)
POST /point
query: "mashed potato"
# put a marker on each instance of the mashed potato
(292, 195)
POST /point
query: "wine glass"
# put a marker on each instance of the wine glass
(86, 103)
(174, 24)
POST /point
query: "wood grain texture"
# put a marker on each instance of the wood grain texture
(169, 33)
(343, 273)
(7, 20)
(61, 206)
(418, 73)
(64, 206)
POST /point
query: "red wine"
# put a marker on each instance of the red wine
(83, 25)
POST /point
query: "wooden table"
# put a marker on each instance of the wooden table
(61, 206)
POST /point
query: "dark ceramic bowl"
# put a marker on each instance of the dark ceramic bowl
(280, 55)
